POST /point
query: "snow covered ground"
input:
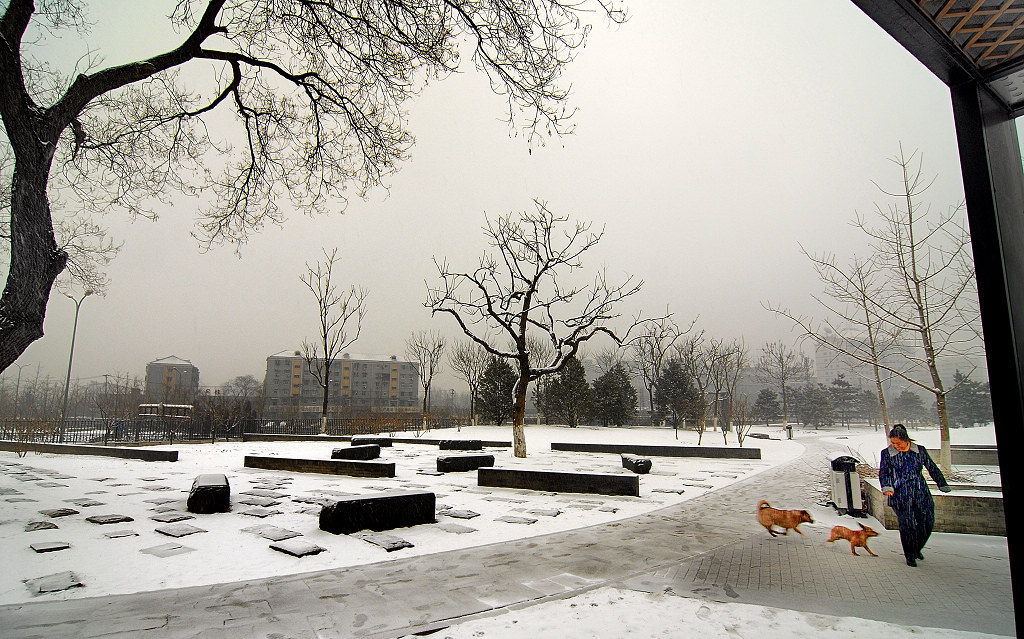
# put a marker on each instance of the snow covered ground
(134, 556)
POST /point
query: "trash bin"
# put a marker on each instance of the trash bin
(789, 431)
(846, 486)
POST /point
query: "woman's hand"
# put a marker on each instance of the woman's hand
(888, 493)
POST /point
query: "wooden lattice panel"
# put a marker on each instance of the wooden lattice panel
(989, 32)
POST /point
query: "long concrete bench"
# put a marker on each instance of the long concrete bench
(560, 482)
(281, 437)
(460, 444)
(462, 463)
(434, 441)
(145, 454)
(384, 511)
(210, 493)
(324, 466)
(361, 440)
(360, 451)
(715, 452)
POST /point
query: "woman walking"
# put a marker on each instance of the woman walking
(902, 482)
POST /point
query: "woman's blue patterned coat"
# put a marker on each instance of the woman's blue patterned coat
(901, 473)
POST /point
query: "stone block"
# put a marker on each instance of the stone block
(462, 463)
(714, 452)
(635, 463)
(560, 482)
(388, 510)
(108, 519)
(358, 451)
(210, 493)
(296, 547)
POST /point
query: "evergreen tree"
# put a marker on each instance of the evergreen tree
(496, 384)
(566, 398)
(676, 393)
(614, 398)
(909, 407)
(813, 405)
(767, 405)
(843, 396)
(969, 402)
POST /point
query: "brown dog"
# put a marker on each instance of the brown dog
(785, 519)
(855, 537)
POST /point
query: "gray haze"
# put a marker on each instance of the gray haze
(709, 141)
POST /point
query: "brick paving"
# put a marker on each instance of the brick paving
(708, 547)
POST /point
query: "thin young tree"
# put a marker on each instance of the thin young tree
(426, 348)
(927, 294)
(781, 366)
(530, 287)
(340, 313)
(319, 93)
(469, 361)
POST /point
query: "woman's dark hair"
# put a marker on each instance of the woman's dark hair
(899, 431)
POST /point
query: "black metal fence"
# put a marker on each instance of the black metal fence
(153, 430)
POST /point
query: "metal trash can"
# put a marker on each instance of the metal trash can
(846, 487)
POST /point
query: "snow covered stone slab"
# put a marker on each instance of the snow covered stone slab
(463, 463)
(462, 514)
(117, 534)
(53, 583)
(260, 512)
(297, 547)
(361, 451)
(510, 519)
(389, 543)
(637, 464)
(258, 501)
(167, 550)
(171, 517)
(273, 533)
(560, 482)
(49, 546)
(58, 512)
(39, 525)
(108, 519)
(458, 529)
(179, 530)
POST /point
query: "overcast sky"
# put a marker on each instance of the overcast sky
(710, 139)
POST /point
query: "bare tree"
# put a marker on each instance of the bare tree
(469, 361)
(781, 366)
(319, 94)
(426, 348)
(340, 315)
(734, 361)
(529, 288)
(925, 299)
(651, 347)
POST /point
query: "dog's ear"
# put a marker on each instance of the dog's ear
(861, 526)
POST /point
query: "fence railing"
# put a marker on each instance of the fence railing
(152, 430)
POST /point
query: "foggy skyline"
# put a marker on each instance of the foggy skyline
(708, 143)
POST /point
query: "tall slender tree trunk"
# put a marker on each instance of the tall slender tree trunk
(519, 418)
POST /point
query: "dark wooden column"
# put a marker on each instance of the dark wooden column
(990, 161)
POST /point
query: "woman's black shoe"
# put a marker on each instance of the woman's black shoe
(919, 555)
(911, 562)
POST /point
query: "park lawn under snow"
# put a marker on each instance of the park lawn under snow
(226, 553)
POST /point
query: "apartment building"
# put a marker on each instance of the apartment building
(358, 384)
(171, 380)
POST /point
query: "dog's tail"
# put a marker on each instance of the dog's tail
(761, 505)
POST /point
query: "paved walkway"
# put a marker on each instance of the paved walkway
(709, 547)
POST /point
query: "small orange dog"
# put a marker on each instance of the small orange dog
(785, 519)
(855, 537)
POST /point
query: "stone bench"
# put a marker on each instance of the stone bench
(359, 451)
(361, 440)
(325, 466)
(715, 452)
(388, 510)
(462, 463)
(460, 444)
(210, 493)
(560, 482)
(145, 454)
(635, 463)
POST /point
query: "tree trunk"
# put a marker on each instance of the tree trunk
(326, 399)
(35, 260)
(519, 418)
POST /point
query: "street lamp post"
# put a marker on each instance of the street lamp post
(71, 356)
